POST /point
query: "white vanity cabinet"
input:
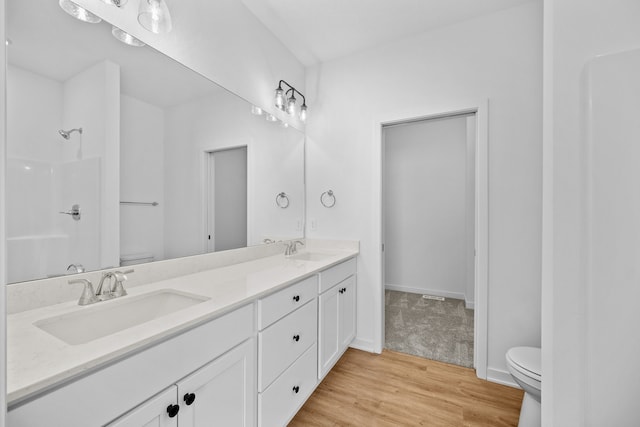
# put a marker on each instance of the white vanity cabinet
(215, 360)
(337, 314)
(220, 393)
(287, 351)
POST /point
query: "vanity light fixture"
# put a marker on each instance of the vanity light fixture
(125, 37)
(78, 12)
(154, 16)
(291, 101)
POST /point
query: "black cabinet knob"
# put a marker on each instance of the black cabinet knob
(172, 410)
(296, 389)
(189, 398)
(296, 338)
(296, 298)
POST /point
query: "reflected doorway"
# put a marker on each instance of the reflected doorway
(227, 199)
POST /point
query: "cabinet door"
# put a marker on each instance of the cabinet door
(152, 413)
(328, 336)
(347, 312)
(223, 392)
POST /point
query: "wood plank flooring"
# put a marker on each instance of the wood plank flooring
(396, 389)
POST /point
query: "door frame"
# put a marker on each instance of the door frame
(205, 180)
(481, 110)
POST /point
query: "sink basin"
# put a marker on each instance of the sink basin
(106, 318)
(311, 256)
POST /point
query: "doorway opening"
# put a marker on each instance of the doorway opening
(480, 109)
(429, 237)
(226, 196)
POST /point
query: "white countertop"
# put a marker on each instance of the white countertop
(37, 361)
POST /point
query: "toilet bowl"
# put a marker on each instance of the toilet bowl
(525, 366)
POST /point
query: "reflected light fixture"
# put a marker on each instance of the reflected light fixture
(154, 16)
(290, 107)
(117, 3)
(125, 37)
(78, 12)
(256, 111)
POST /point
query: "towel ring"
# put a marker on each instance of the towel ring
(282, 200)
(332, 201)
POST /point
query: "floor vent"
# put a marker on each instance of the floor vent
(434, 297)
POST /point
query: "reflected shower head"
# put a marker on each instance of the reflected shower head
(66, 134)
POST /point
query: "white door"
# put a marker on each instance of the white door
(223, 392)
(159, 411)
(328, 334)
(227, 199)
(347, 312)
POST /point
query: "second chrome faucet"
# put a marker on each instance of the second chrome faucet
(113, 288)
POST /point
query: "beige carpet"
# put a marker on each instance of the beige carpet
(436, 330)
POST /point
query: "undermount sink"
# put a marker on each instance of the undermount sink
(311, 256)
(106, 318)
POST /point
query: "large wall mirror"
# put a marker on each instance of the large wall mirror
(119, 155)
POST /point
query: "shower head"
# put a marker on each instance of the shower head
(66, 134)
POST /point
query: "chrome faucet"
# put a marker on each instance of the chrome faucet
(75, 268)
(292, 247)
(88, 295)
(104, 293)
(118, 288)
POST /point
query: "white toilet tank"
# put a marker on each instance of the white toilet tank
(133, 259)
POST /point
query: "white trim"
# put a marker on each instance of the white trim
(469, 304)
(499, 376)
(481, 108)
(436, 292)
(364, 345)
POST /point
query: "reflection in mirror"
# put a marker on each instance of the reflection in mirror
(119, 155)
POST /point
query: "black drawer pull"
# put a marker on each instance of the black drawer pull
(296, 338)
(189, 398)
(296, 389)
(172, 410)
(296, 298)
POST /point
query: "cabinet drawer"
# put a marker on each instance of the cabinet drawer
(281, 303)
(279, 403)
(336, 274)
(283, 342)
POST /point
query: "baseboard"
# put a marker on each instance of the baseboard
(469, 304)
(364, 345)
(501, 377)
(439, 293)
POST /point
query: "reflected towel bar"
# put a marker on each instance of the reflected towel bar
(140, 203)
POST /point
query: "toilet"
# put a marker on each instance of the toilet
(525, 366)
(133, 259)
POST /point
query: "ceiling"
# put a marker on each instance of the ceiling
(318, 31)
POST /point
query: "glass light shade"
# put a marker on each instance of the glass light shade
(154, 16)
(291, 105)
(257, 111)
(117, 3)
(271, 118)
(78, 12)
(303, 113)
(279, 98)
(125, 37)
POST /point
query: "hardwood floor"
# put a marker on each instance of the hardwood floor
(396, 389)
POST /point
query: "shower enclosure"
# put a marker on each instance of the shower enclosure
(57, 213)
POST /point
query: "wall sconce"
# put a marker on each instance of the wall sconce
(290, 108)
(153, 15)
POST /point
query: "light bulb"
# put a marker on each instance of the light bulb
(291, 105)
(125, 37)
(78, 12)
(303, 113)
(279, 98)
(154, 16)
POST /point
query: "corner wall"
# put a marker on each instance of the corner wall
(496, 56)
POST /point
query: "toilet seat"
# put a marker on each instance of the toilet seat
(527, 361)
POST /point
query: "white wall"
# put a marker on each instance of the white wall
(575, 32)
(3, 209)
(425, 207)
(220, 39)
(141, 177)
(496, 56)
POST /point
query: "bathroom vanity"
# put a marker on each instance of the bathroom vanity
(251, 344)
